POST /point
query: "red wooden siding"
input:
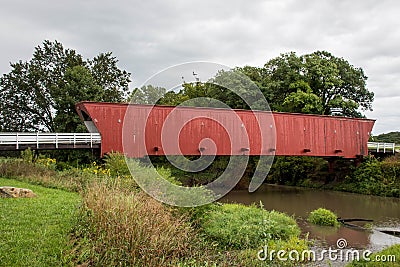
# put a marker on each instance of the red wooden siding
(188, 131)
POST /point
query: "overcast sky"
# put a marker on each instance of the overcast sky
(148, 36)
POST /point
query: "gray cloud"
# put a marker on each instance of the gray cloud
(148, 36)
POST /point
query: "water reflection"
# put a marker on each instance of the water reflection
(385, 212)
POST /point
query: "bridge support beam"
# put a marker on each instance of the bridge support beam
(358, 161)
(331, 165)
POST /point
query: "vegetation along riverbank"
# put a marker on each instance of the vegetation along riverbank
(96, 215)
(115, 223)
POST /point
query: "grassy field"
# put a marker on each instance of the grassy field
(34, 231)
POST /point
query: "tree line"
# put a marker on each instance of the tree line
(40, 94)
(317, 83)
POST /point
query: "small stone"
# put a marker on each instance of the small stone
(15, 192)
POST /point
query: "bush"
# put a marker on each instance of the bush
(374, 177)
(240, 227)
(13, 168)
(115, 162)
(48, 163)
(293, 244)
(27, 155)
(250, 257)
(44, 174)
(323, 217)
(296, 170)
(163, 186)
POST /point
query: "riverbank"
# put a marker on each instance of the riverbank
(116, 223)
(299, 202)
(374, 176)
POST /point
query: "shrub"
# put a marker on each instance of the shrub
(163, 186)
(97, 170)
(240, 227)
(293, 244)
(374, 177)
(294, 170)
(323, 217)
(71, 179)
(27, 155)
(115, 162)
(48, 163)
(18, 168)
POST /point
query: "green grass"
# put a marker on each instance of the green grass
(34, 231)
(238, 226)
(392, 251)
(117, 224)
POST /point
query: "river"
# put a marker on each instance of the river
(299, 202)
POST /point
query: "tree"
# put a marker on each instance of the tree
(78, 85)
(228, 88)
(337, 83)
(172, 98)
(114, 81)
(277, 76)
(392, 137)
(303, 100)
(147, 94)
(40, 94)
(236, 89)
(333, 80)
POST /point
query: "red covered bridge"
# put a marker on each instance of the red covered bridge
(139, 130)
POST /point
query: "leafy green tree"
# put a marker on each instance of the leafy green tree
(147, 94)
(314, 83)
(113, 81)
(195, 89)
(277, 76)
(337, 83)
(172, 98)
(232, 88)
(333, 80)
(237, 90)
(303, 100)
(40, 94)
(392, 137)
(78, 85)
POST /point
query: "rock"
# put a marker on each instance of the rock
(9, 191)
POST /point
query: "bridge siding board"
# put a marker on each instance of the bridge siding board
(296, 134)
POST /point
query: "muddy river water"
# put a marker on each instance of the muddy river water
(385, 213)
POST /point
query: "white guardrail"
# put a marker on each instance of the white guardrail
(382, 147)
(37, 139)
